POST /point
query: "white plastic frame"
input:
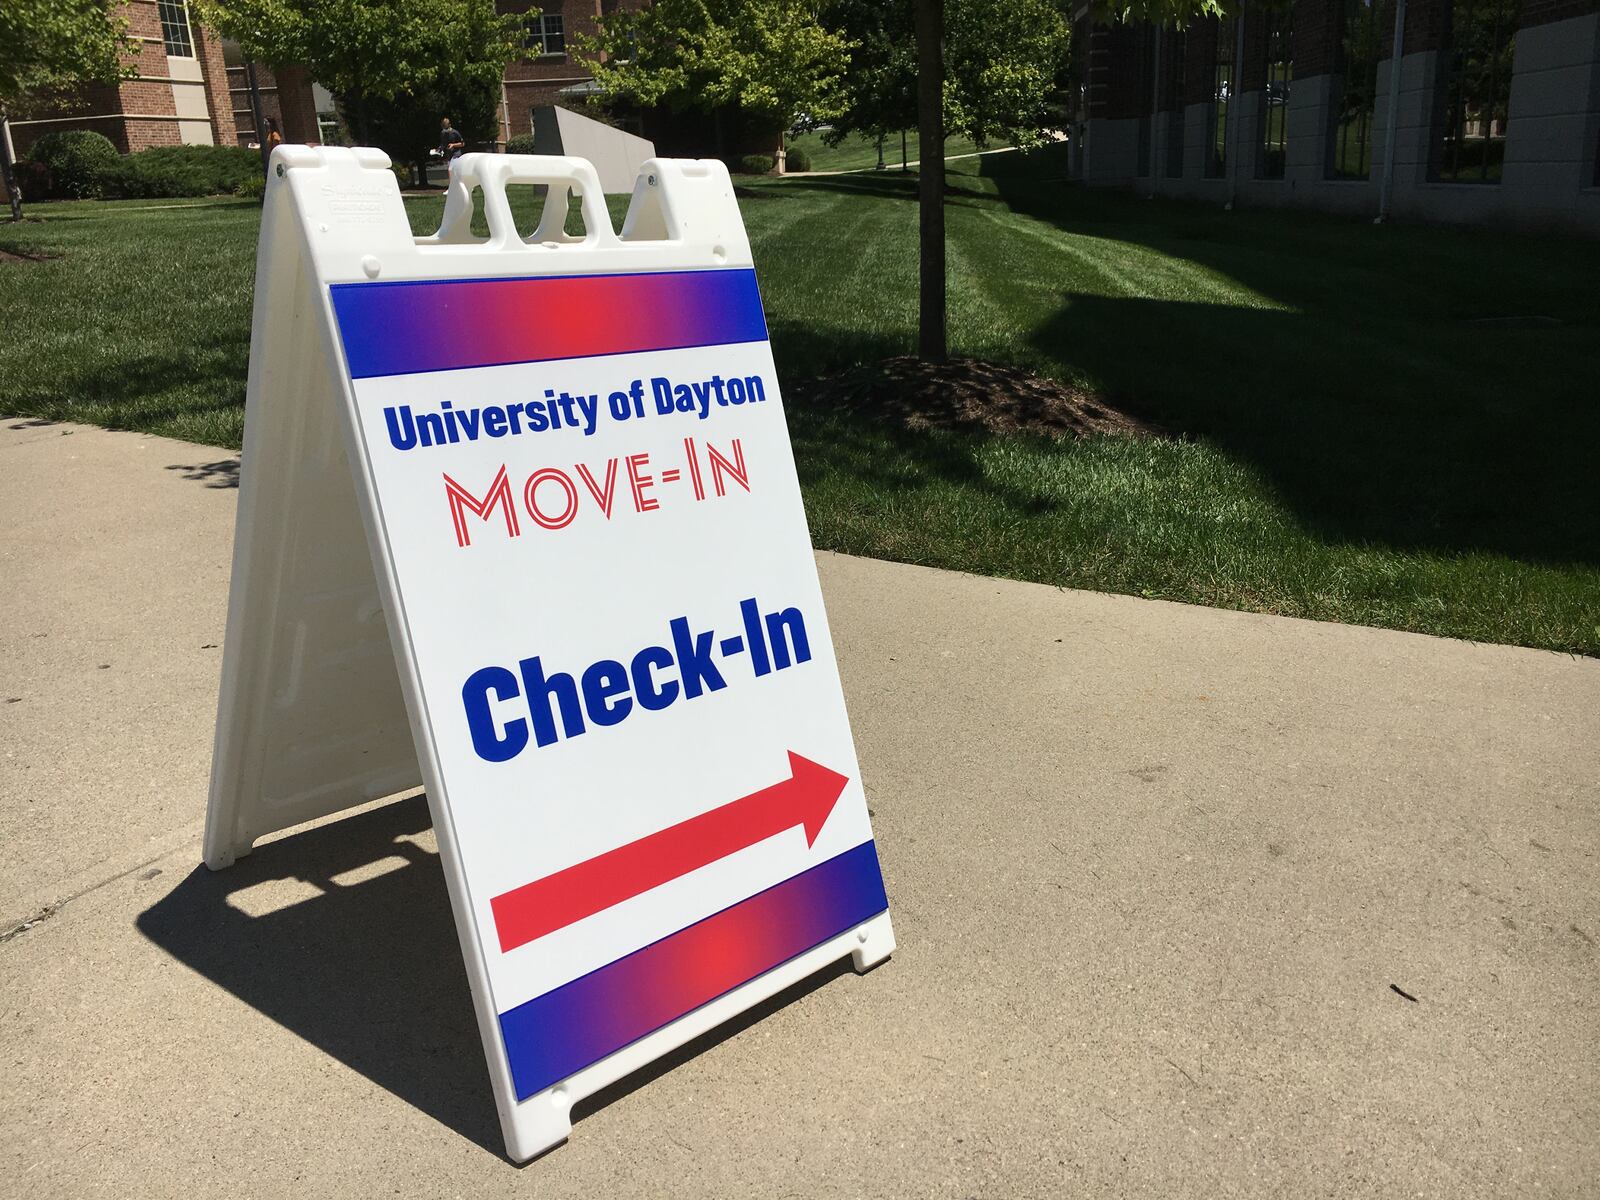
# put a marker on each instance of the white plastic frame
(321, 706)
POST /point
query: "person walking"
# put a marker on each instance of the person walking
(451, 143)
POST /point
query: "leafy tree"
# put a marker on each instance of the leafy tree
(376, 54)
(881, 88)
(769, 59)
(47, 45)
(1001, 60)
(407, 127)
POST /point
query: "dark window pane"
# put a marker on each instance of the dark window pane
(1475, 92)
(1221, 93)
(1275, 101)
(1174, 101)
(1356, 82)
(1143, 82)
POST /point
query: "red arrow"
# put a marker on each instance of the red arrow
(556, 901)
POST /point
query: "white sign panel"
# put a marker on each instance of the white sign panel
(593, 557)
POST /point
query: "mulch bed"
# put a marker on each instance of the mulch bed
(970, 395)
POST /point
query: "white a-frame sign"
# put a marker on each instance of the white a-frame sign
(519, 522)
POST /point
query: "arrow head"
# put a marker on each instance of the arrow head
(814, 790)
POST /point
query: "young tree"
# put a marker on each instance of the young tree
(982, 68)
(51, 44)
(881, 87)
(374, 53)
(768, 59)
(1001, 60)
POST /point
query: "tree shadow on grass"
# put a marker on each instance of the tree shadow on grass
(1424, 388)
(883, 187)
(344, 935)
(1410, 444)
(1416, 465)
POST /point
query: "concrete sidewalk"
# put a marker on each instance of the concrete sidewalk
(1156, 874)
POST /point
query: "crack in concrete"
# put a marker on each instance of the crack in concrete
(16, 929)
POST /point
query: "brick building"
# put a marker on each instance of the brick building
(179, 94)
(1494, 109)
(194, 86)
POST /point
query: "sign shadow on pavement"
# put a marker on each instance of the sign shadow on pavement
(343, 935)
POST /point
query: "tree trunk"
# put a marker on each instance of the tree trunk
(256, 116)
(9, 170)
(930, 177)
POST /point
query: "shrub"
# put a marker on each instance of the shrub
(521, 144)
(756, 164)
(797, 160)
(253, 188)
(77, 160)
(163, 172)
(34, 180)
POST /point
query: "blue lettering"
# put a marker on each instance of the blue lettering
(652, 696)
(605, 692)
(559, 704)
(540, 690)
(661, 389)
(495, 745)
(694, 659)
(431, 427)
(401, 437)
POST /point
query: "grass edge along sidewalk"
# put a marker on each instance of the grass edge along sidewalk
(1388, 426)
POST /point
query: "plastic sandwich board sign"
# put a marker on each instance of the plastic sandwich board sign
(519, 523)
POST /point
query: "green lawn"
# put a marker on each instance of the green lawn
(1382, 425)
(857, 153)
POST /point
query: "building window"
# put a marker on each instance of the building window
(175, 32)
(1175, 109)
(1275, 111)
(1221, 93)
(547, 35)
(1144, 81)
(328, 130)
(1356, 87)
(1476, 91)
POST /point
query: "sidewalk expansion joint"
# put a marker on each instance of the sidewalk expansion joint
(16, 929)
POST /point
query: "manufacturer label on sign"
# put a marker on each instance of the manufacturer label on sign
(595, 568)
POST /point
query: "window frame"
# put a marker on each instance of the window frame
(541, 33)
(180, 13)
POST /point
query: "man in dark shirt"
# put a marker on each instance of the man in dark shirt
(451, 143)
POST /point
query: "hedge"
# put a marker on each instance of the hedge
(167, 171)
(77, 164)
